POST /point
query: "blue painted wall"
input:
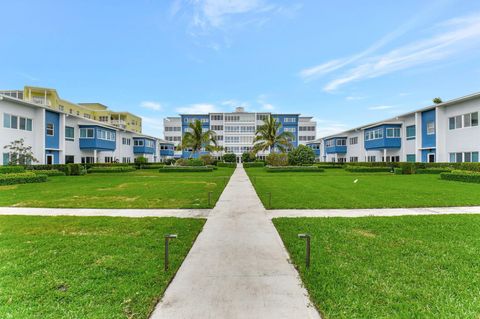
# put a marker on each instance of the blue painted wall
(56, 156)
(425, 155)
(428, 140)
(96, 143)
(315, 147)
(384, 142)
(281, 118)
(52, 141)
(168, 152)
(144, 149)
(335, 149)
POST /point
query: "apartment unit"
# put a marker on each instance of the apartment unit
(59, 136)
(445, 132)
(94, 111)
(235, 131)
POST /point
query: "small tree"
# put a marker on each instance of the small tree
(197, 138)
(269, 138)
(19, 153)
(248, 157)
(437, 100)
(229, 158)
(301, 155)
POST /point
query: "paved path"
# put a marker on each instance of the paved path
(237, 267)
(372, 212)
(185, 213)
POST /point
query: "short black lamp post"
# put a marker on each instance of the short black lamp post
(307, 248)
(167, 238)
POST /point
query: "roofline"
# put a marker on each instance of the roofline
(427, 108)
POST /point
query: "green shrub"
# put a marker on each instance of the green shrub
(189, 169)
(189, 162)
(153, 166)
(169, 161)
(254, 164)
(21, 178)
(11, 169)
(76, 169)
(338, 166)
(230, 158)
(277, 159)
(433, 170)
(301, 155)
(49, 172)
(275, 169)
(365, 169)
(461, 176)
(207, 159)
(248, 157)
(398, 171)
(407, 168)
(113, 169)
(223, 164)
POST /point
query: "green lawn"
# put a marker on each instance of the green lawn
(139, 189)
(389, 267)
(87, 267)
(335, 188)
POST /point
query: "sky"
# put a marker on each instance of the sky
(346, 63)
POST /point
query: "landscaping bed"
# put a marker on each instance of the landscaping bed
(88, 267)
(112, 169)
(277, 169)
(389, 267)
(185, 169)
(461, 176)
(21, 178)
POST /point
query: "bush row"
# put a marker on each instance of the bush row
(253, 164)
(224, 164)
(168, 169)
(461, 176)
(433, 170)
(21, 178)
(48, 172)
(458, 166)
(112, 169)
(11, 169)
(275, 169)
(366, 169)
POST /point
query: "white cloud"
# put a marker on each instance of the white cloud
(461, 34)
(234, 103)
(155, 106)
(381, 107)
(268, 107)
(152, 126)
(355, 98)
(197, 108)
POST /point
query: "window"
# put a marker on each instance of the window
(69, 133)
(126, 141)
(411, 132)
(88, 160)
(23, 123)
(341, 142)
(50, 129)
(262, 117)
(371, 158)
(353, 159)
(217, 117)
(6, 120)
(342, 160)
(105, 135)
(217, 127)
(430, 128)
(29, 125)
(411, 158)
(149, 143)
(393, 132)
(374, 134)
(465, 120)
(87, 133)
(464, 157)
(329, 143)
(6, 158)
(306, 128)
(289, 120)
(353, 141)
(219, 137)
(290, 129)
(13, 121)
(108, 159)
(69, 159)
(137, 142)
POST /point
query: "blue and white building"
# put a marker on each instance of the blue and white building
(235, 131)
(57, 137)
(445, 132)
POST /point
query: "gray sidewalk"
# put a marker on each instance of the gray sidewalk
(237, 267)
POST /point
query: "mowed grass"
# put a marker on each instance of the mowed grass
(389, 267)
(336, 188)
(87, 267)
(139, 189)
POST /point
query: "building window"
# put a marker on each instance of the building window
(411, 132)
(341, 142)
(217, 117)
(353, 140)
(371, 158)
(289, 120)
(69, 133)
(353, 159)
(411, 158)
(88, 160)
(108, 159)
(126, 141)
(69, 159)
(106, 135)
(137, 142)
(374, 134)
(465, 120)
(6, 158)
(13, 121)
(126, 159)
(6, 120)
(393, 132)
(87, 116)
(430, 128)
(217, 127)
(466, 157)
(50, 129)
(290, 129)
(87, 133)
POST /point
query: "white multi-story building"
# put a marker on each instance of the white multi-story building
(445, 132)
(235, 131)
(57, 137)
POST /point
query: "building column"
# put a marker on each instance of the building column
(94, 156)
(384, 154)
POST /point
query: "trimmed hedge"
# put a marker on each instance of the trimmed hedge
(185, 169)
(223, 164)
(229, 158)
(461, 176)
(156, 166)
(312, 169)
(475, 167)
(365, 169)
(48, 172)
(398, 171)
(113, 169)
(21, 178)
(11, 169)
(254, 164)
(433, 170)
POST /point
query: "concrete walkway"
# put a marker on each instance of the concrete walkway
(237, 267)
(372, 212)
(181, 213)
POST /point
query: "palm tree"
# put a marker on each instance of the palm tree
(269, 138)
(196, 138)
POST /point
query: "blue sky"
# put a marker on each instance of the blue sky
(346, 63)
